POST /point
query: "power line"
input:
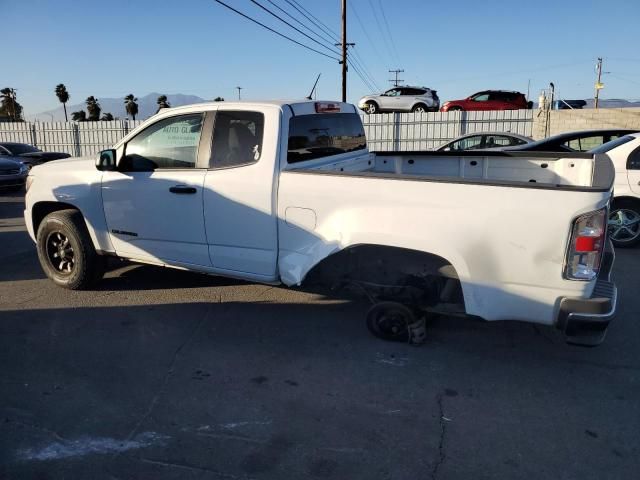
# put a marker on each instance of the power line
(386, 24)
(317, 22)
(357, 59)
(355, 12)
(330, 40)
(328, 31)
(384, 38)
(295, 28)
(276, 32)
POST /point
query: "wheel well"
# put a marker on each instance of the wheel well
(371, 101)
(42, 209)
(386, 272)
(635, 201)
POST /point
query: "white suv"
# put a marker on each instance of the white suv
(401, 99)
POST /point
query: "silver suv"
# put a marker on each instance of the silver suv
(401, 99)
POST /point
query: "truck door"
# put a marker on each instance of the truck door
(153, 203)
(239, 199)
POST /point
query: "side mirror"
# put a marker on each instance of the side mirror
(106, 161)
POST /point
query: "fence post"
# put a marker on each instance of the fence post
(33, 134)
(396, 132)
(76, 138)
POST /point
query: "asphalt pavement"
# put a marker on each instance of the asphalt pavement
(164, 374)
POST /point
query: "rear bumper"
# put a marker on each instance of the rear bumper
(584, 321)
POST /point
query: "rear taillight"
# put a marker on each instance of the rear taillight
(586, 246)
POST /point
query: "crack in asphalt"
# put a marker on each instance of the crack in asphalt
(193, 468)
(168, 374)
(441, 447)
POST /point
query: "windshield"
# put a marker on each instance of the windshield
(19, 148)
(605, 147)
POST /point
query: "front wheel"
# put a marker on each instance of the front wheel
(420, 108)
(624, 224)
(371, 107)
(66, 252)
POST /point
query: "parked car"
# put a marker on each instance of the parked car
(402, 99)
(624, 216)
(12, 174)
(28, 154)
(484, 141)
(581, 141)
(209, 188)
(489, 100)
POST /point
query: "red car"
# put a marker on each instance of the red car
(489, 100)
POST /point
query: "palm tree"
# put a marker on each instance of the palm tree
(93, 109)
(162, 103)
(63, 96)
(107, 117)
(131, 106)
(9, 106)
(79, 116)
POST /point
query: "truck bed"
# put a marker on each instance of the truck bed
(579, 171)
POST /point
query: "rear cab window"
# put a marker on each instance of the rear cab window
(237, 138)
(323, 135)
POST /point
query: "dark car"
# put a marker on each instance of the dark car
(12, 174)
(484, 141)
(28, 154)
(581, 141)
(489, 100)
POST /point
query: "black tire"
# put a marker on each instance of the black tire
(372, 107)
(622, 233)
(420, 107)
(66, 252)
(390, 321)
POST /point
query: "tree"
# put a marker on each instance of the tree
(162, 103)
(79, 116)
(63, 96)
(218, 99)
(93, 109)
(131, 106)
(9, 106)
(107, 117)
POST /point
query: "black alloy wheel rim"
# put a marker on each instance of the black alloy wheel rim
(60, 253)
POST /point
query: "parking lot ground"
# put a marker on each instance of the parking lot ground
(163, 374)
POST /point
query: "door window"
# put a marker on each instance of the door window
(169, 143)
(393, 93)
(483, 97)
(237, 138)
(585, 144)
(469, 143)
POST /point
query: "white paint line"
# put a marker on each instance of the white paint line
(91, 445)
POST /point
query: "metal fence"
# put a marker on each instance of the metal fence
(387, 131)
(76, 139)
(424, 131)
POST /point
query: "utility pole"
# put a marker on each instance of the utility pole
(239, 88)
(344, 50)
(396, 81)
(598, 83)
(344, 46)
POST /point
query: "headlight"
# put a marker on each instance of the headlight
(23, 168)
(28, 183)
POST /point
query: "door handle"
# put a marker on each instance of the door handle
(182, 189)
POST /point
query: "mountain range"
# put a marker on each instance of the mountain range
(147, 106)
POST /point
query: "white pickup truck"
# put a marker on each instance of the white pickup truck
(278, 192)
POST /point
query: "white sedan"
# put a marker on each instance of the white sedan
(624, 219)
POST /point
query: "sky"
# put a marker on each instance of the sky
(199, 47)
